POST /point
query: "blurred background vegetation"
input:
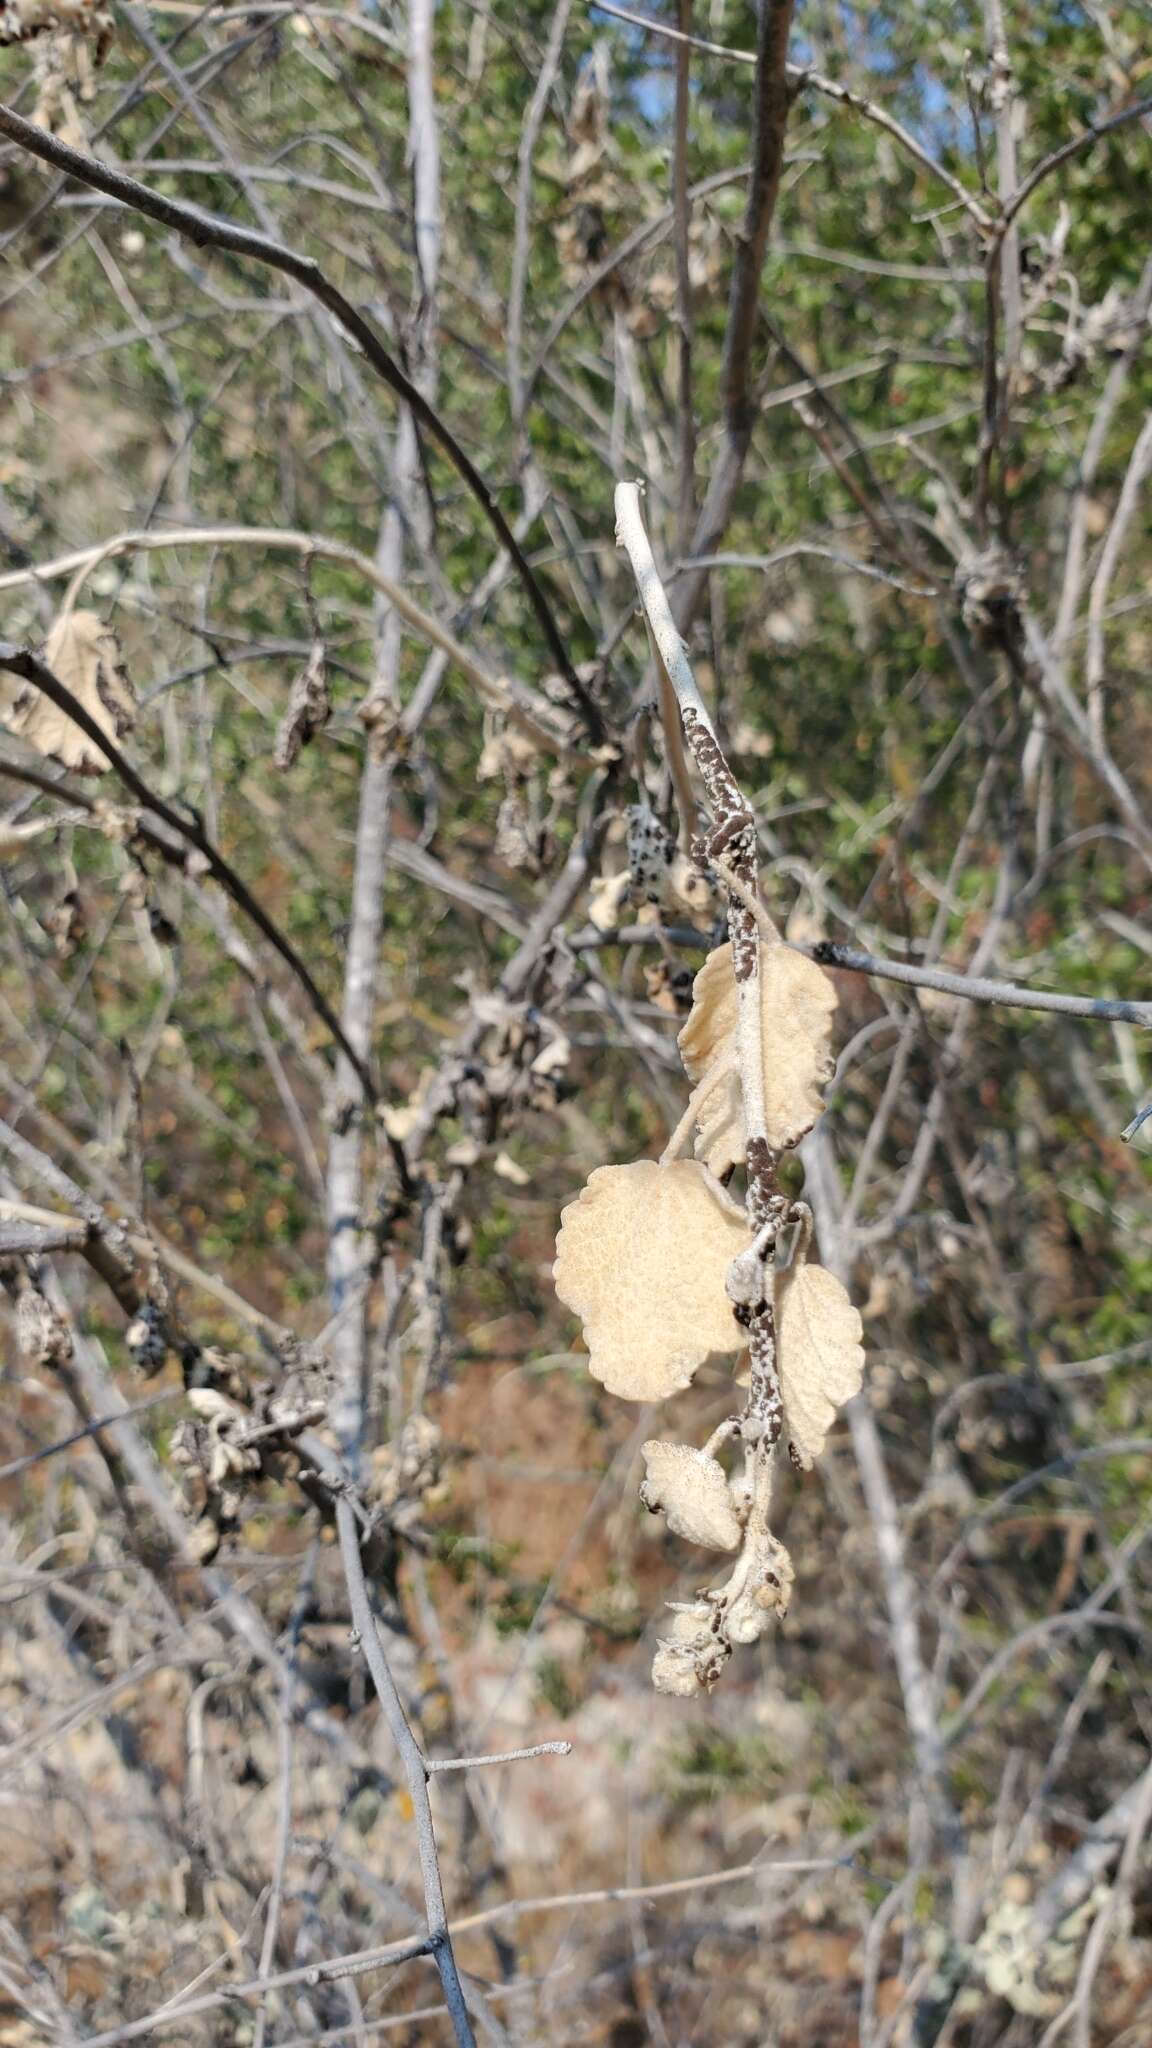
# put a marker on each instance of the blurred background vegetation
(916, 793)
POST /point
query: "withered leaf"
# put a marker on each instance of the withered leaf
(641, 1259)
(308, 710)
(689, 1488)
(797, 1001)
(821, 1354)
(84, 654)
(21, 20)
(607, 898)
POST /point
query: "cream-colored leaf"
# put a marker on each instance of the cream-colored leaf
(797, 1001)
(689, 1488)
(84, 654)
(821, 1355)
(711, 1025)
(607, 898)
(641, 1259)
(511, 1170)
(20, 20)
(720, 1136)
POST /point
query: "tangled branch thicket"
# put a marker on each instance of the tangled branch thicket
(391, 848)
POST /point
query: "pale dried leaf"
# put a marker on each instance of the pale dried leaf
(689, 1488)
(308, 710)
(720, 1135)
(84, 654)
(797, 1001)
(21, 20)
(606, 899)
(641, 1259)
(711, 1026)
(821, 1355)
(62, 70)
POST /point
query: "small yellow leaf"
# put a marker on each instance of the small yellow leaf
(641, 1259)
(689, 1488)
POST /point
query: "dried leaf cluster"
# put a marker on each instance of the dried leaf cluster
(22, 20)
(70, 39)
(665, 1270)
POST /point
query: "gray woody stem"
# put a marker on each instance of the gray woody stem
(22, 662)
(977, 988)
(415, 1770)
(771, 102)
(349, 1247)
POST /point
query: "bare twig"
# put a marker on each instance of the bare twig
(492, 689)
(206, 230)
(1139, 110)
(369, 1960)
(506, 1756)
(800, 78)
(21, 661)
(414, 1767)
(977, 989)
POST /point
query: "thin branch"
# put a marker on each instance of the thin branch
(494, 690)
(589, 938)
(288, 1684)
(1002, 95)
(506, 1756)
(1136, 474)
(367, 1960)
(1063, 155)
(90, 1429)
(771, 120)
(796, 549)
(414, 1767)
(206, 230)
(799, 79)
(21, 661)
(976, 989)
(773, 99)
(525, 154)
(686, 510)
